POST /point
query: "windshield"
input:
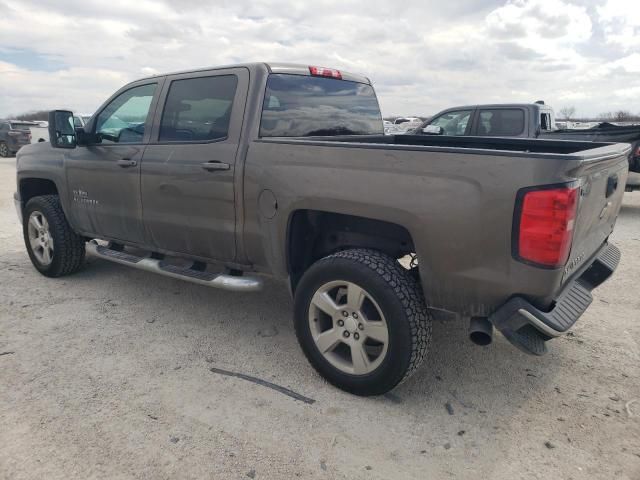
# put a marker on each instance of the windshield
(298, 106)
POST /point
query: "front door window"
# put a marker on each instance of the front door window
(124, 119)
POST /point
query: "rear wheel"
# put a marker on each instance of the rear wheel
(361, 321)
(54, 248)
(4, 150)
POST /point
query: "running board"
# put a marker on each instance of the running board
(215, 280)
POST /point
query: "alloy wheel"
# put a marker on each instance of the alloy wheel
(348, 327)
(40, 238)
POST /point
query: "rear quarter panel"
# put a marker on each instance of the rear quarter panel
(458, 208)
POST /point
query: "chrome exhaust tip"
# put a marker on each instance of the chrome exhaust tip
(480, 331)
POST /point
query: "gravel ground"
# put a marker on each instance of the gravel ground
(107, 374)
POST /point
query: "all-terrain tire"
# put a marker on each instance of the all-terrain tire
(68, 247)
(396, 293)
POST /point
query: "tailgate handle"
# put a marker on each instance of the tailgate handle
(612, 184)
(215, 165)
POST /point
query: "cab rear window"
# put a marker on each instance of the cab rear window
(300, 106)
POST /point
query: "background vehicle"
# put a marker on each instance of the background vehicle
(534, 120)
(39, 132)
(81, 120)
(406, 124)
(389, 127)
(14, 134)
(284, 170)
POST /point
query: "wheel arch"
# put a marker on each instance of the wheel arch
(30, 187)
(314, 234)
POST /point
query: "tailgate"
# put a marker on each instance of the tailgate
(602, 183)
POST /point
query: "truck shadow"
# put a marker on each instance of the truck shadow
(456, 376)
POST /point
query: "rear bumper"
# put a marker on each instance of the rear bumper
(516, 317)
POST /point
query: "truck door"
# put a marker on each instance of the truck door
(188, 168)
(104, 178)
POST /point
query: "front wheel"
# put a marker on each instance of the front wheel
(54, 248)
(361, 321)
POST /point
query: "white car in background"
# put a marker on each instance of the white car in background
(40, 129)
(406, 124)
(389, 128)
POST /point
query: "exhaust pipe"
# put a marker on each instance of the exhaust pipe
(480, 331)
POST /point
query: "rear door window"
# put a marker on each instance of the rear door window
(501, 122)
(299, 105)
(198, 109)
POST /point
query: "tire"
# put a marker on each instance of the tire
(66, 249)
(4, 150)
(390, 297)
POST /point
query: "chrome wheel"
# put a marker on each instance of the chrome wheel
(4, 150)
(348, 327)
(40, 238)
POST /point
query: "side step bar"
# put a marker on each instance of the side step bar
(215, 280)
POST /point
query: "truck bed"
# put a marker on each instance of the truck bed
(524, 145)
(455, 195)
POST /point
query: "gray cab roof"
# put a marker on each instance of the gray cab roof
(541, 106)
(273, 67)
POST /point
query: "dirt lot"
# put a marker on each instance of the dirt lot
(106, 374)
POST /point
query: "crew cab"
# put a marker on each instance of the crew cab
(224, 175)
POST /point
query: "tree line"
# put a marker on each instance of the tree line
(40, 115)
(569, 113)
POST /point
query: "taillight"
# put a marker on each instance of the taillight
(325, 72)
(544, 225)
(637, 154)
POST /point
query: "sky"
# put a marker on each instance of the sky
(422, 56)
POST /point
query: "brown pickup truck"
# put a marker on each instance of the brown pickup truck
(223, 175)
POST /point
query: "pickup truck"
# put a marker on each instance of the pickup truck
(526, 120)
(224, 175)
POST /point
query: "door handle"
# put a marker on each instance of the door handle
(125, 162)
(214, 165)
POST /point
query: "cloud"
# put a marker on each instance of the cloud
(422, 56)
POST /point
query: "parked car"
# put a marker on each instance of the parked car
(283, 170)
(389, 127)
(14, 134)
(39, 132)
(526, 120)
(406, 124)
(81, 120)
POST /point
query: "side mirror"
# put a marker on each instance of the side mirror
(433, 130)
(62, 133)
